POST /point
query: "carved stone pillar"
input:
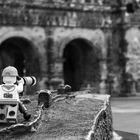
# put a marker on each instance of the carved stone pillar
(57, 73)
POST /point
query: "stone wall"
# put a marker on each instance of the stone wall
(52, 20)
(102, 125)
(85, 16)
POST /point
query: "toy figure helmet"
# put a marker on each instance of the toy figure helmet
(10, 71)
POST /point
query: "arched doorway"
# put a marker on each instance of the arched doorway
(81, 66)
(19, 52)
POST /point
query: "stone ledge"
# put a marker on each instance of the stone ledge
(22, 127)
(77, 116)
(102, 123)
(80, 116)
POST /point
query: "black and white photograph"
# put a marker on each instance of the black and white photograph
(69, 69)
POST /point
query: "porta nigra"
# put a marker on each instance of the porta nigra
(83, 43)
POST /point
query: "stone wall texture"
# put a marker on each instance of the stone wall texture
(49, 37)
(81, 115)
(102, 126)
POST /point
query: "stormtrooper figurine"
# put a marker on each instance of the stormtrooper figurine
(14, 85)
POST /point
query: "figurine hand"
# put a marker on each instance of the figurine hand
(20, 81)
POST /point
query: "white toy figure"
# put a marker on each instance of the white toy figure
(13, 86)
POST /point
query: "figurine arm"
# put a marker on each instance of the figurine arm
(20, 86)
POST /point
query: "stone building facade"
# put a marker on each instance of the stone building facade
(82, 43)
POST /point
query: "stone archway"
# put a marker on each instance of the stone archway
(81, 64)
(19, 52)
(91, 40)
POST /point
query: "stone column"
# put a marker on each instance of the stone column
(103, 66)
(56, 73)
(55, 63)
(50, 43)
